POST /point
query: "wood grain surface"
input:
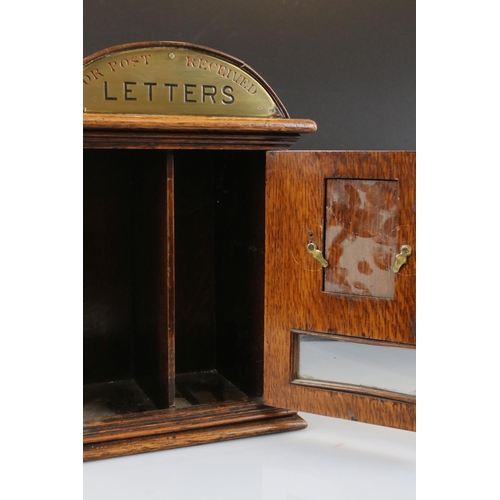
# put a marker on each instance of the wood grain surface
(157, 232)
(173, 132)
(102, 121)
(294, 296)
(186, 427)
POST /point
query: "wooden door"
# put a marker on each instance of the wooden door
(354, 212)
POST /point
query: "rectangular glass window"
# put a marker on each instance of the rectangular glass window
(361, 236)
(359, 366)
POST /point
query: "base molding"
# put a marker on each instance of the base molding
(176, 431)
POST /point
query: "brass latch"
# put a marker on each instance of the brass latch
(404, 252)
(313, 249)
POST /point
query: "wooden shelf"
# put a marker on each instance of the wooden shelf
(102, 121)
(174, 132)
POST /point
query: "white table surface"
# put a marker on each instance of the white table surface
(331, 459)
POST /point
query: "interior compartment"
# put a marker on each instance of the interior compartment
(219, 256)
(214, 351)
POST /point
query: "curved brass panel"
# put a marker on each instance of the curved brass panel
(173, 78)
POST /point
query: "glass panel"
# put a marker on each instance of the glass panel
(371, 366)
(360, 240)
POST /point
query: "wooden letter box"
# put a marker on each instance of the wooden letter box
(229, 283)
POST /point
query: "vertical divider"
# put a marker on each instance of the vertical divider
(153, 267)
(170, 278)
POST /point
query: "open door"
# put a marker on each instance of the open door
(340, 285)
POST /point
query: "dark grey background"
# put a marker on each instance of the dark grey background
(347, 64)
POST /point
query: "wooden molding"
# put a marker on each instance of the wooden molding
(167, 429)
(182, 132)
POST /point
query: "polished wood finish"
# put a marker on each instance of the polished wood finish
(294, 296)
(103, 121)
(192, 247)
(196, 270)
(179, 428)
(168, 349)
(174, 132)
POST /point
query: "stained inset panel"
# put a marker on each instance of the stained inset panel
(360, 236)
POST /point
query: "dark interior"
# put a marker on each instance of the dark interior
(219, 274)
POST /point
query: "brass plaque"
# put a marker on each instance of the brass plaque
(174, 80)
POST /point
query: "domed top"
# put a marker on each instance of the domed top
(175, 78)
